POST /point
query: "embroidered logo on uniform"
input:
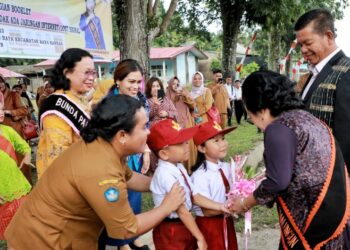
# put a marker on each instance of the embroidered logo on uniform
(176, 126)
(112, 194)
(217, 126)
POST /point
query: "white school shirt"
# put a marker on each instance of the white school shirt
(237, 93)
(164, 178)
(230, 90)
(209, 182)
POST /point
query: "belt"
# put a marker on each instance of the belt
(167, 219)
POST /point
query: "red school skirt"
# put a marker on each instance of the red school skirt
(172, 234)
(213, 230)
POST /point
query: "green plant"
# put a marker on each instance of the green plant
(215, 64)
(248, 69)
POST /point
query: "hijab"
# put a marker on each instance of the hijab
(198, 91)
(182, 109)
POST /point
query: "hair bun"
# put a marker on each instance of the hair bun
(88, 133)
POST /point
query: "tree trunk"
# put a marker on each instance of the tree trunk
(274, 49)
(132, 22)
(231, 15)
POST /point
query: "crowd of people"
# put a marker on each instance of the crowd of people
(100, 149)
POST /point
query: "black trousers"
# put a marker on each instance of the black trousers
(229, 114)
(239, 110)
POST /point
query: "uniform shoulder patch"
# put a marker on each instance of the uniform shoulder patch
(111, 194)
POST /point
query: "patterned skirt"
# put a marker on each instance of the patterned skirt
(7, 211)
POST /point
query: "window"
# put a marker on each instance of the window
(157, 70)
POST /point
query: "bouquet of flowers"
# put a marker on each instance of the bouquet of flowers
(244, 180)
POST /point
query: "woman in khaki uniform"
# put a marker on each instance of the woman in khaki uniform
(85, 188)
(203, 98)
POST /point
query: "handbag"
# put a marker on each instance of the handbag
(214, 114)
(29, 129)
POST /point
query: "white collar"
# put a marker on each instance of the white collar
(213, 166)
(317, 69)
(171, 167)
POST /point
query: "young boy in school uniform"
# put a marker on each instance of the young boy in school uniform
(179, 230)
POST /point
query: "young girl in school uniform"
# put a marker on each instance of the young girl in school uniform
(210, 178)
(179, 230)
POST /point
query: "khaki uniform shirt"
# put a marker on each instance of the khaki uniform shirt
(81, 192)
(204, 103)
(220, 96)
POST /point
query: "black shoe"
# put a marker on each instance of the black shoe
(144, 247)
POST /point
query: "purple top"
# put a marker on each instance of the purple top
(280, 156)
(297, 158)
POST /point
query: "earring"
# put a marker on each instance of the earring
(122, 142)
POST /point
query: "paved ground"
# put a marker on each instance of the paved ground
(261, 239)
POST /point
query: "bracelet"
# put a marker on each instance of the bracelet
(244, 207)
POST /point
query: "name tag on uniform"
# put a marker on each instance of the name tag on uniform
(111, 194)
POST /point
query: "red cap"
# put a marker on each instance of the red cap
(168, 132)
(209, 130)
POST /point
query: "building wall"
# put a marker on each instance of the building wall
(192, 66)
(181, 68)
(158, 70)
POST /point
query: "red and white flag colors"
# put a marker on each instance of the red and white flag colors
(287, 57)
(248, 50)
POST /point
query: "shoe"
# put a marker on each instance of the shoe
(134, 247)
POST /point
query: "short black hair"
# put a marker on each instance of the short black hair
(112, 114)
(217, 71)
(68, 60)
(267, 89)
(17, 86)
(237, 80)
(322, 21)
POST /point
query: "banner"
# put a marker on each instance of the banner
(44, 29)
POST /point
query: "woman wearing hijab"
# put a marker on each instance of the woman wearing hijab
(202, 97)
(184, 105)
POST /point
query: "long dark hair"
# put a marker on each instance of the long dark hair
(112, 114)
(148, 91)
(67, 61)
(267, 89)
(200, 160)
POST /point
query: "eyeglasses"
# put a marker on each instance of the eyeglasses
(89, 73)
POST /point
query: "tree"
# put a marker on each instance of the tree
(138, 25)
(248, 69)
(276, 16)
(179, 33)
(279, 18)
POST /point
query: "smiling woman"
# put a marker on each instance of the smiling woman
(78, 196)
(73, 76)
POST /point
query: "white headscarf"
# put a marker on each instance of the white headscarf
(198, 91)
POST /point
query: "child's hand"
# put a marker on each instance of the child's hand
(202, 245)
(223, 208)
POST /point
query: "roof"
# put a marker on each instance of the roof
(167, 53)
(49, 63)
(24, 69)
(9, 74)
